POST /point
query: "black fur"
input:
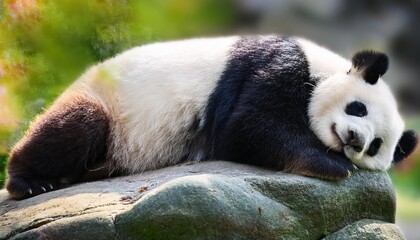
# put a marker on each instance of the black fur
(357, 109)
(374, 147)
(66, 145)
(405, 146)
(372, 64)
(258, 112)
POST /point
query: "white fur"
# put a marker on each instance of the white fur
(153, 95)
(330, 97)
(322, 62)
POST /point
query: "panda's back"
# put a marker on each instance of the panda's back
(158, 93)
(158, 75)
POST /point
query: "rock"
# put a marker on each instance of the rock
(368, 229)
(212, 200)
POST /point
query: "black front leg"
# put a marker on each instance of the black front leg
(268, 142)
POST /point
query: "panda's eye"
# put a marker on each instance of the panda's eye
(374, 147)
(357, 109)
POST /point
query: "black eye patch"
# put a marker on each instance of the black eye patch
(357, 109)
(374, 147)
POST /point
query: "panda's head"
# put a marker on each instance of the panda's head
(355, 112)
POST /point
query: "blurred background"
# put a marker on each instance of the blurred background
(45, 45)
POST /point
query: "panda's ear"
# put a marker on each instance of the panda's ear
(405, 146)
(370, 64)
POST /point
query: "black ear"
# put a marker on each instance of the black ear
(370, 64)
(406, 146)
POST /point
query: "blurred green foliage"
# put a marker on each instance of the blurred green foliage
(3, 158)
(45, 45)
(408, 182)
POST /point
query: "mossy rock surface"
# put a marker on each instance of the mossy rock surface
(209, 200)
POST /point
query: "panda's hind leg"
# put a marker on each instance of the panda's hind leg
(21, 188)
(60, 146)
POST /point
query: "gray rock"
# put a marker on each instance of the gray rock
(368, 229)
(209, 200)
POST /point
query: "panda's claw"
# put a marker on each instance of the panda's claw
(21, 188)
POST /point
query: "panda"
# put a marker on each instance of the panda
(273, 101)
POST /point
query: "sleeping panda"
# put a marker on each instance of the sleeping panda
(273, 101)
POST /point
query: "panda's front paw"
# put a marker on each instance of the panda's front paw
(337, 167)
(21, 188)
(331, 167)
(331, 173)
(337, 173)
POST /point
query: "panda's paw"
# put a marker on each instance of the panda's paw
(21, 188)
(323, 167)
(334, 174)
(337, 175)
(336, 170)
(335, 166)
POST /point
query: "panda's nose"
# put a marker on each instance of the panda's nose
(355, 140)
